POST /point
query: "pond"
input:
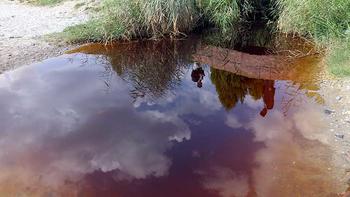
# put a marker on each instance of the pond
(164, 118)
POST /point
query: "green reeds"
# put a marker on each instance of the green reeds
(45, 2)
(128, 19)
(326, 22)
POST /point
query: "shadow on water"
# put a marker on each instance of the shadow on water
(153, 118)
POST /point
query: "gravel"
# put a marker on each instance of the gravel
(337, 97)
(22, 27)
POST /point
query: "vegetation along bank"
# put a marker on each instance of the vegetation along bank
(324, 22)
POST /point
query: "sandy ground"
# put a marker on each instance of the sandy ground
(336, 94)
(23, 26)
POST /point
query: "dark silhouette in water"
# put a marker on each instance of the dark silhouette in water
(197, 75)
(268, 96)
(232, 88)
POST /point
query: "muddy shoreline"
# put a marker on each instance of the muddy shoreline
(14, 55)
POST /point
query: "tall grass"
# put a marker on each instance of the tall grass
(223, 14)
(327, 22)
(338, 57)
(127, 19)
(45, 2)
(322, 20)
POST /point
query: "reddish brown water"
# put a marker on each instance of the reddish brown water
(130, 120)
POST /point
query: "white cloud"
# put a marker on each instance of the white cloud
(254, 104)
(227, 183)
(68, 126)
(231, 121)
(311, 123)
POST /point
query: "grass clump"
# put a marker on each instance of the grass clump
(127, 19)
(229, 15)
(90, 31)
(326, 22)
(46, 2)
(338, 58)
(322, 20)
(223, 14)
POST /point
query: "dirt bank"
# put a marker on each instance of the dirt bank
(23, 27)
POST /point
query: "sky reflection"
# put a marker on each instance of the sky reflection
(64, 133)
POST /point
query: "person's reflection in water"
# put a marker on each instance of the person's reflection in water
(268, 96)
(197, 74)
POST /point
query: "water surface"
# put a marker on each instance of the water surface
(143, 119)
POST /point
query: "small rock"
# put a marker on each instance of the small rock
(341, 136)
(329, 111)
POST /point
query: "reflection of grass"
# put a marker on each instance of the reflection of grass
(151, 68)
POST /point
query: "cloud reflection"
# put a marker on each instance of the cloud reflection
(59, 124)
(227, 183)
(66, 126)
(281, 164)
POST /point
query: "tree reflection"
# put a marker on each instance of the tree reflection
(152, 68)
(232, 88)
